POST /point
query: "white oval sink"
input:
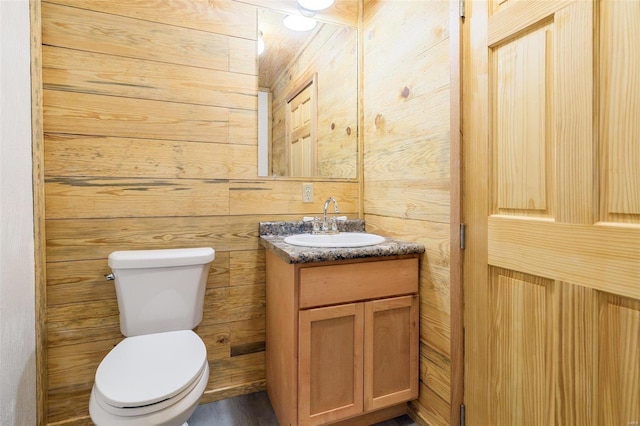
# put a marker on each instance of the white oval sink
(343, 239)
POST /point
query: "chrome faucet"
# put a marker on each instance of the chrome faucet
(334, 225)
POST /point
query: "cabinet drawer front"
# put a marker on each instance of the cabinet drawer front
(327, 285)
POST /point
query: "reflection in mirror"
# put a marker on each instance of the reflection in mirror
(308, 100)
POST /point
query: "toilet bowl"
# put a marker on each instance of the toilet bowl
(150, 380)
(158, 373)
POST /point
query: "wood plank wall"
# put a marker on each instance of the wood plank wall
(407, 166)
(150, 133)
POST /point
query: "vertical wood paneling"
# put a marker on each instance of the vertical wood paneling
(456, 363)
(574, 359)
(476, 196)
(619, 109)
(407, 176)
(619, 361)
(521, 76)
(519, 372)
(150, 141)
(573, 105)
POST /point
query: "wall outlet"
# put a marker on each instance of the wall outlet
(307, 193)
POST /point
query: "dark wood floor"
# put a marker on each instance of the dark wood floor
(253, 410)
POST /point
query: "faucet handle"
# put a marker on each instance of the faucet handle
(333, 224)
(316, 225)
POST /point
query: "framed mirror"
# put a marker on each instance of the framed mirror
(308, 99)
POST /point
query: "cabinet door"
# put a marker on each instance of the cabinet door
(390, 352)
(330, 363)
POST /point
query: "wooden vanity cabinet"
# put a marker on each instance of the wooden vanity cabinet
(342, 339)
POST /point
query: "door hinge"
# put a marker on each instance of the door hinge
(461, 8)
(463, 229)
(462, 414)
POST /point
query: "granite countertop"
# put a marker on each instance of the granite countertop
(272, 235)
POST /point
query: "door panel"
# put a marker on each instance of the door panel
(573, 368)
(619, 355)
(573, 114)
(330, 382)
(552, 202)
(620, 111)
(521, 130)
(391, 352)
(518, 368)
(301, 122)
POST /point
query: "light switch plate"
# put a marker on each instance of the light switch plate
(307, 192)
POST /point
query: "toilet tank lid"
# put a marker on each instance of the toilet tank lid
(129, 259)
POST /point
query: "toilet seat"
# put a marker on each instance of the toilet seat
(134, 412)
(146, 373)
(177, 412)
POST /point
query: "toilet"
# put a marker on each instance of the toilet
(158, 373)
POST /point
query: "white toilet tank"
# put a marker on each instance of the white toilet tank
(160, 290)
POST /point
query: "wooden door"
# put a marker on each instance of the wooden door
(301, 122)
(330, 363)
(390, 352)
(551, 146)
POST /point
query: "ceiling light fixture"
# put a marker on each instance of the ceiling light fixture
(315, 5)
(299, 23)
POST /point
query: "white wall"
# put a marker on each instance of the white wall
(17, 295)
